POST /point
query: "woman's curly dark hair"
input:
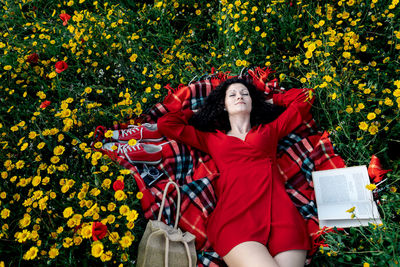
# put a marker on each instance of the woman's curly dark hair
(212, 115)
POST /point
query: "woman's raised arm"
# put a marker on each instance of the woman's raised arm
(174, 125)
(298, 103)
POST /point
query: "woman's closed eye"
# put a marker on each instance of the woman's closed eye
(240, 94)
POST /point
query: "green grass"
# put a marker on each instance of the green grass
(120, 55)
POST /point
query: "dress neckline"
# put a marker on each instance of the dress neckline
(243, 140)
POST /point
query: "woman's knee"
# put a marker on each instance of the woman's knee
(249, 253)
(291, 258)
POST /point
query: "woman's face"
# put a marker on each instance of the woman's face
(237, 99)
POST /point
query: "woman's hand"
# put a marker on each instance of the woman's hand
(271, 101)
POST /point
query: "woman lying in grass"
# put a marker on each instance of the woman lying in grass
(254, 223)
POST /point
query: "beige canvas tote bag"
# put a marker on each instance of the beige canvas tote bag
(163, 245)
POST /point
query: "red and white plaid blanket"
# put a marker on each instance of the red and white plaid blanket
(304, 150)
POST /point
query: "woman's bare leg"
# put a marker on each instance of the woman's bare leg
(250, 253)
(291, 258)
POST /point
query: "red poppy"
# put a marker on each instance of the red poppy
(99, 230)
(65, 18)
(375, 170)
(45, 104)
(61, 66)
(118, 185)
(33, 58)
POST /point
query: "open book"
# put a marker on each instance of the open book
(337, 191)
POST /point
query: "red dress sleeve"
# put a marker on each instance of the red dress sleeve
(174, 125)
(298, 104)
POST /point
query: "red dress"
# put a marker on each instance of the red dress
(252, 204)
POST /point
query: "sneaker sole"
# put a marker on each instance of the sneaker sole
(142, 140)
(146, 162)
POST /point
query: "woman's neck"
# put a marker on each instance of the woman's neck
(240, 125)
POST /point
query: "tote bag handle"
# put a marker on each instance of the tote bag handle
(163, 202)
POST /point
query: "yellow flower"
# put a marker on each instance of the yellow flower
(104, 168)
(124, 209)
(98, 144)
(52, 75)
(346, 55)
(20, 164)
(139, 195)
(58, 150)
(68, 212)
(371, 116)
(67, 242)
(96, 155)
(36, 180)
(198, 12)
(373, 129)
(349, 110)
(88, 90)
(124, 171)
(77, 240)
(5, 213)
(7, 67)
(32, 135)
(351, 209)
(125, 241)
(86, 232)
(109, 134)
(111, 206)
(132, 215)
(110, 219)
(113, 237)
(309, 54)
(132, 142)
(130, 225)
(388, 102)
(41, 145)
(370, 186)
(236, 27)
(363, 126)
(133, 58)
(366, 264)
(53, 253)
(364, 48)
(54, 159)
(22, 236)
(106, 183)
(97, 249)
(106, 256)
(31, 253)
(120, 195)
(24, 146)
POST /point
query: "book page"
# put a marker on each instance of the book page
(339, 190)
(342, 188)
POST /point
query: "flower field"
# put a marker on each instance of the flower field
(69, 66)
